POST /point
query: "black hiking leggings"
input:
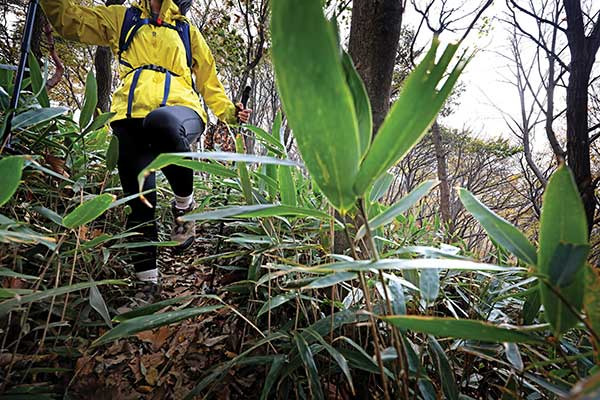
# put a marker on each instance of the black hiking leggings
(165, 130)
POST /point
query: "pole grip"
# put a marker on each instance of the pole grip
(246, 96)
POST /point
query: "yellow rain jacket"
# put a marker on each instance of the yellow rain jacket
(153, 45)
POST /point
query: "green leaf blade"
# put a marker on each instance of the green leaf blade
(316, 98)
(410, 116)
(11, 170)
(90, 102)
(460, 328)
(88, 211)
(398, 208)
(147, 322)
(563, 220)
(499, 229)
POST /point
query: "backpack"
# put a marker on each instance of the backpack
(132, 22)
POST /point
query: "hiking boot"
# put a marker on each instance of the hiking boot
(183, 233)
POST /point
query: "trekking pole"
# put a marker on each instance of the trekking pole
(25, 47)
(245, 98)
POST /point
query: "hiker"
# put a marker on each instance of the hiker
(157, 107)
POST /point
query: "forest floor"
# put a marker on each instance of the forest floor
(168, 362)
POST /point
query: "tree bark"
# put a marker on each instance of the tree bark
(103, 66)
(374, 38)
(583, 51)
(442, 173)
(36, 35)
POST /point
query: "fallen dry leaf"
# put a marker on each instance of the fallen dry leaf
(156, 338)
(84, 366)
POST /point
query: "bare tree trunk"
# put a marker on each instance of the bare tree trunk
(583, 53)
(36, 35)
(578, 146)
(103, 65)
(374, 38)
(442, 173)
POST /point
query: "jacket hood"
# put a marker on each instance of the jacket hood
(168, 11)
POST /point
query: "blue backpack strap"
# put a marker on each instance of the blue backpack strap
(183, 28)
(167, 89)
(134, 82)
(132, 22)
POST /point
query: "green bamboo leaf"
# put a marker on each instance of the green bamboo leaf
(444, 370)
(28, 236)
(563, 220)
(13, 274)
(310, 366)
(358, 358)
(50, 214)
(90, 101)
(381, 186)
(513, 355)
(7, 77)
(275, 302)
(277, 127)
(4, 99)
(460, 328)
(411, 115)
(38, 82)
(566, 263)
(362, 105)
(257, 211)
(112, 154)
(243, 171)
(500, 230)
(212, 168)
(10, 305)
(429, 284)
(316, 98)
(401, 264)
(287, 187)
(186, 160)
(11, 293)
(267, 138)
(427, 389)
(37, 116)
(151, 308)
(137, 245)
(127, 199)
(11, 169)
(147, 322)
(272, 376)
(330, 280)
(401, 206)
(99, 122)
(97, 303)
(270, 182)
(398, 298)
(336, 355)
(88, 211)
(532, 306)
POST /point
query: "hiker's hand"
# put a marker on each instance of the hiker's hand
(243, 113)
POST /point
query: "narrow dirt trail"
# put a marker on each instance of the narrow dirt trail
(168, 362)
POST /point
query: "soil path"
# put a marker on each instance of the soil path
(168, 362)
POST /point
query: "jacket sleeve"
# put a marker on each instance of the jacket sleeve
(207, 80)
(96, 25)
